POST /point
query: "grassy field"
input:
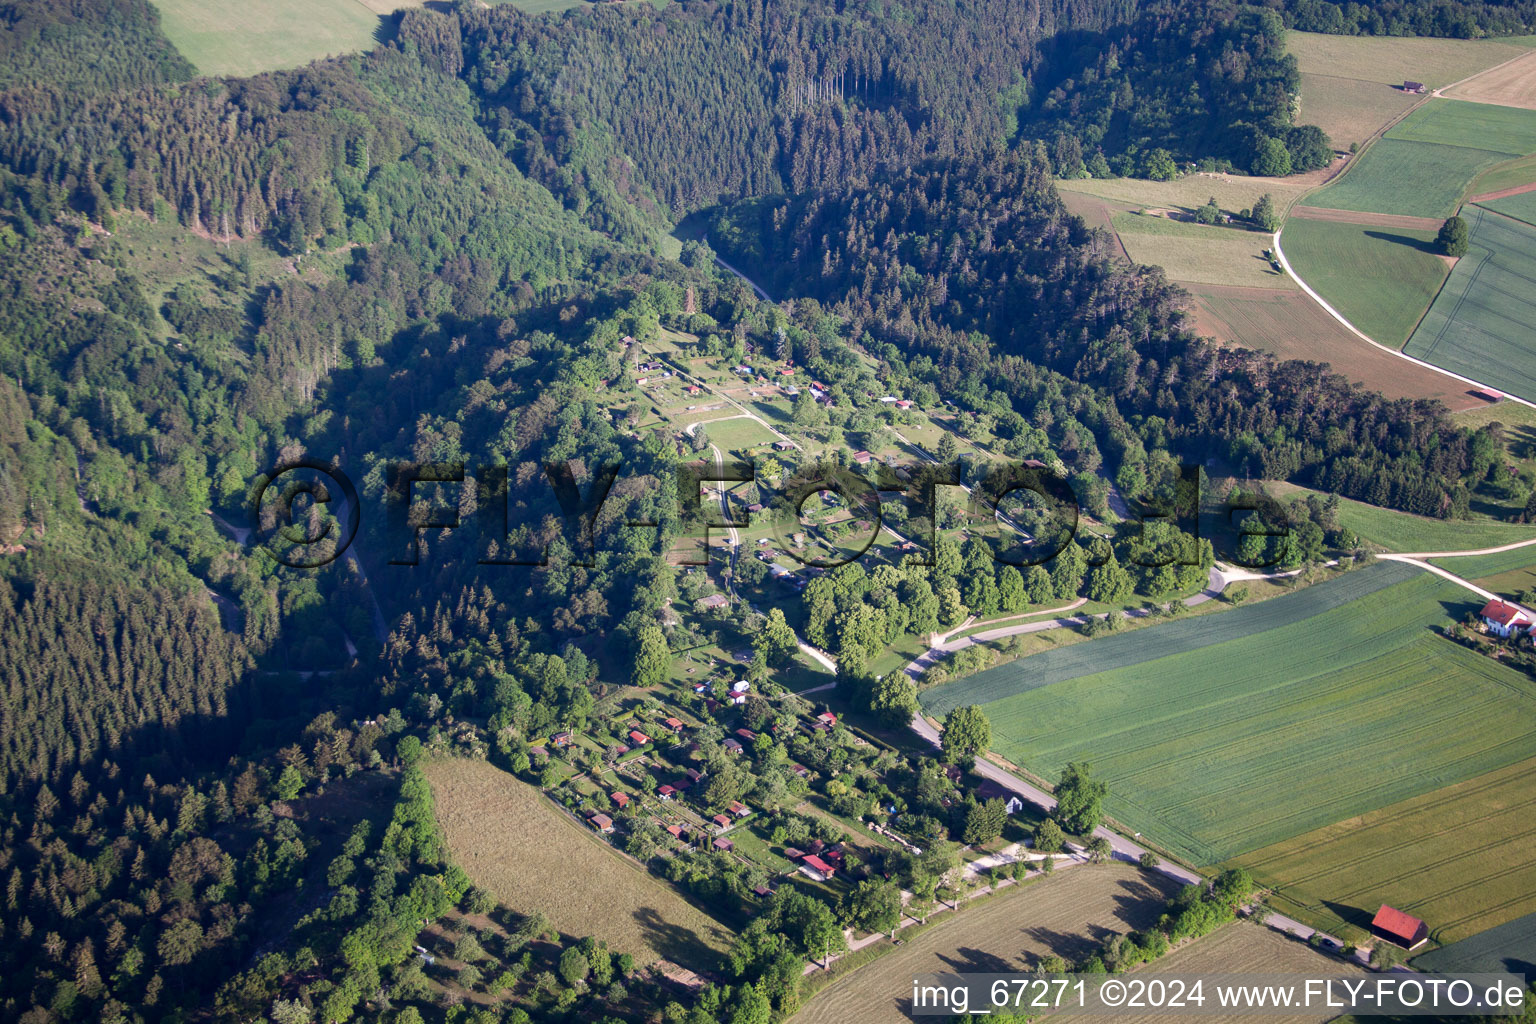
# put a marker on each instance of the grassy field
(1352, 712)
(1470, 126)
(738, 434)
(1350, 109)
(1480, 324)
(1420, 179)
(1199, 253)
(247, 38)
(1381, 279)
(1510, 174)
(1238, 948)
(1522, 207)
(1509, 947)
(1112, 653)
(1392, 59)
(1338, 875)
(1508, 572)
(533, 857)
(1066, 914)
(1406, 533)
(1290, 325)
(1232, 192)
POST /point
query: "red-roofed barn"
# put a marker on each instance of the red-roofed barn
(1395, 926)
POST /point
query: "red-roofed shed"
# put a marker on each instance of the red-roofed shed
(1395, 926)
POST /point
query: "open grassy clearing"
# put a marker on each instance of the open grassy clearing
(1336, 876)
(1393, 59)
(1240, 948)
(1232, 192)
(1198, 253)
(1111, 653)
(1290, 325)
(1421, 179)
(1403, 532)
(1512, 84)
(1350, 109)
(1067, 914)
(1509, 947)
(1355, 709)
(1480, 324)
(221, 37)
(533, 857)
(1381, 279)
(1471, 126)
(739, 434)
(1511, 583)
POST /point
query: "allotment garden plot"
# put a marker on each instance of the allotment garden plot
(1247, 740)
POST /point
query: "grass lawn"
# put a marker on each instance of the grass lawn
(736, 435)
(1381, 279)
(221, 37)
(1199, 253)
(1480, 324)
(1337, 876)
(1259, 734)
(1066, 914)
(1350, 109)
(532, 856)
(1231, 192)
(1486, 126)
(1420, 179)
(1391, 59)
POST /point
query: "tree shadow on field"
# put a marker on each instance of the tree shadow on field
(1408, 240)
(1139, 904)
(1068, 945)
(674, 942)
(969, 960)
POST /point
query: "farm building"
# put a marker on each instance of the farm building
(638, 738)
(721, 820)
(724, 844)
(827, 719)
(602, 822)
(675, 724)
(675, 831)
(747, 735)
(739, 809)
(620, 798)
(862, 458)
(1395, 926)
(817, 868)
(1505, 619)
(733, 745)
(666, 792)
(713, 601)
(1487, 394)
(782, 446)
(561, 739)
(694, 775)
(1413, 87)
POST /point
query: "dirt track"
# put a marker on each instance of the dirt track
(1380, 220)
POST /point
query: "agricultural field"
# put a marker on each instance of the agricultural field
(1380, 279)
(1110, 653)
(1470, 126)
(1405, 533)
(1480, 324)
(1512, 84)
(1290, 325)
(1508, 572)
(1067, 914)
(1238, 948)
(1399, 176)
(1336, 876)
(1392, 59)
(1350, 110)
(1509, 947)
(1199, 253)
(1521, 206)
(1353, 713)
(532, 856)
(1510, 174)
(221, 37)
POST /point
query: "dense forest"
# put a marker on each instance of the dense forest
(432, 253)
(1458, 19)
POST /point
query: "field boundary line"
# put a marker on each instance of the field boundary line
(1280, 254)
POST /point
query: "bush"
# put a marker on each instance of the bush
(1149, 860)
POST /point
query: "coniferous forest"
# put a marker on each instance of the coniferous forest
(433, 252)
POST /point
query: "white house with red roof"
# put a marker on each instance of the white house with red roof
(1505, 619)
